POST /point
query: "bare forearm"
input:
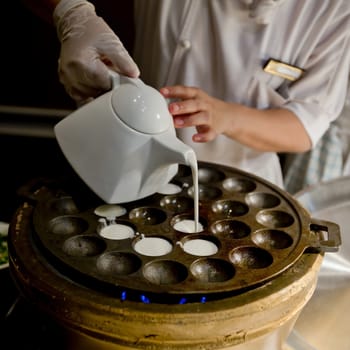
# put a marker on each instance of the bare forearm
(277, 130)
(270, 130)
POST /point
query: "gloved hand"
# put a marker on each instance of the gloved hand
(89, 48)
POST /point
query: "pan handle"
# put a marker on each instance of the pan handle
(326, 235)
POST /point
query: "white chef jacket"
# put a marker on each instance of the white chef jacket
(221, 46)
(328, 160)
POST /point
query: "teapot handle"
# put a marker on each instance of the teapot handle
(118, 79)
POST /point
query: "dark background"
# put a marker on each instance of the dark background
(32, 100)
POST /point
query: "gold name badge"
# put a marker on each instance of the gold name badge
(283, 70)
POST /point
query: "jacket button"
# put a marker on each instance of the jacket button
(186, 44)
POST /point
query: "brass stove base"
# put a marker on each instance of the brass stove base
(258, 319)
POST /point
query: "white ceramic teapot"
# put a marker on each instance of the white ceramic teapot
(123, 144)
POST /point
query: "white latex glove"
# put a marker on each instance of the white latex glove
(89, 48)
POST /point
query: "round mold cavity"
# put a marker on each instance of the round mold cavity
(68, 225)
(274, 218)
(185, 223)
(239, 185)
(262, 200)
(152, 246)
(147, 216)
(165, 272)
(272, 239)
(209, 175)
(84, 245)
(118, 263)
(63, 206)
(230, 229)
(170, 188)
(110, 211)
(205, 192)
(229, 208)
(251, 258)
(211, 270)
(176, 204)
(200, 245)
(116, 231)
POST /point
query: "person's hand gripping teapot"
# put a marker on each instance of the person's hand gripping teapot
(123, 144)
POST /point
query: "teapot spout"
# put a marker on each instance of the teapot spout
(171, 150)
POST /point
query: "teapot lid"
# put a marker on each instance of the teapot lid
(141, 107)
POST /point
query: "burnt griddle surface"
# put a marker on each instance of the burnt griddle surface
(257, 228)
